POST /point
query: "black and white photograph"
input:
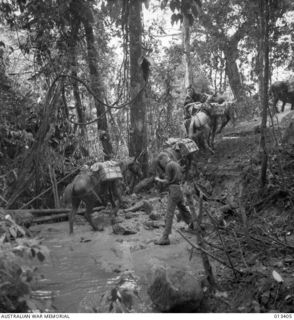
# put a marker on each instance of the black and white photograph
(146, 158)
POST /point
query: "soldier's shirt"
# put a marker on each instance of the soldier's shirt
(173, 173)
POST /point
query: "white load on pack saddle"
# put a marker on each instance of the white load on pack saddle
(184, 145)
(193, 107)
(108, 170)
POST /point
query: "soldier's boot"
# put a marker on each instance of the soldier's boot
(163, 241)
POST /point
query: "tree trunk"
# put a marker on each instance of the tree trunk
(78, 104)
(220, 86)
(215, 80)
(264, 16)
(225, 83)
(222, 74)
(232, 71)
(138, 130)
(96, 86)
(73, 62)
(187, 51)
(259, 67)
(169, 116)
(169, 104)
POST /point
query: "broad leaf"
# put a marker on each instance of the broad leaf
(277, 277)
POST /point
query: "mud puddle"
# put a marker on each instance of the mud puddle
(83, 266)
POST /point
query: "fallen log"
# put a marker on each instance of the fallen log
(40, 212)
(35, 212)
(32, 216)
(46, 219)
(60, 217)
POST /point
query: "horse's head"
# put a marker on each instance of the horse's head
(210, 98)
(216, 98)
(194, 108)
(135, 167)
(190, 91)
(207, 108)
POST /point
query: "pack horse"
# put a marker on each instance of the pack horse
(95, 187)
(210, 120)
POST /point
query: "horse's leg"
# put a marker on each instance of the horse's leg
(191, 132)
(187, 125)
(212, 130)
(211, 138)
(283, 106)
(224, 123)
(193, 164)
(114, 194)
(117, 193)
(72, 213)
(188, 165)
(206, 134)
(132, 184)
(88, 215)
(276, 110)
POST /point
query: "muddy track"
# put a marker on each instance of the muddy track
(84, 265)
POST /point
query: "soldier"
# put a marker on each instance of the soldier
(173, 173)
(191, 97)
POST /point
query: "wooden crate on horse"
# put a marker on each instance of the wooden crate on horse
(182, 150)
(183, 145)
(187, 146)
(107, 171)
